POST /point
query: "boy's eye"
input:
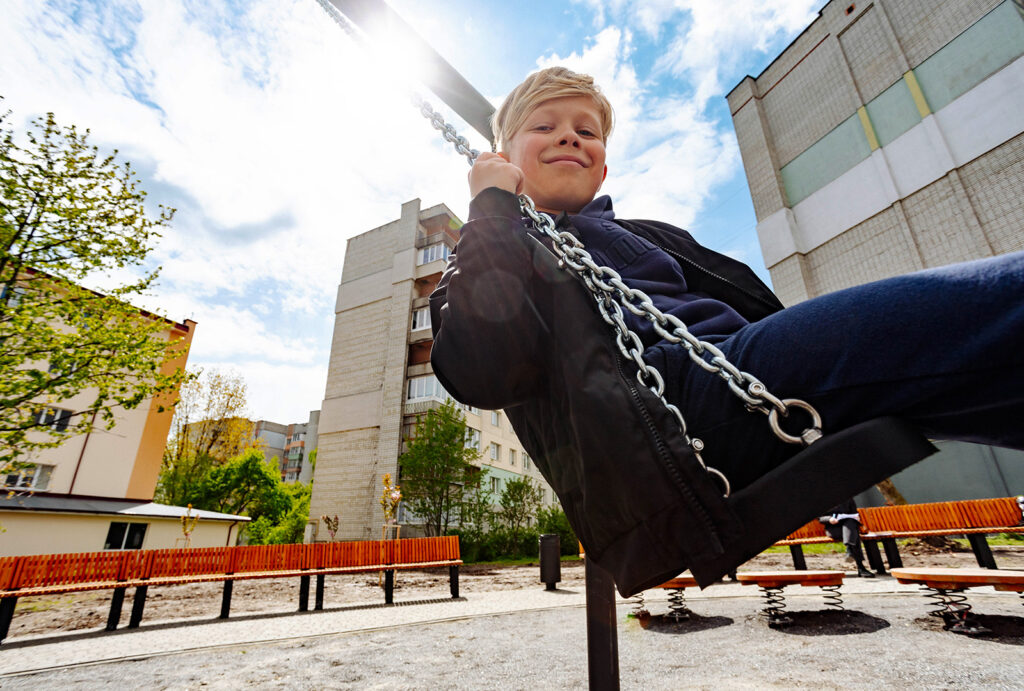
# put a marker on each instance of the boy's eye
(586, 133)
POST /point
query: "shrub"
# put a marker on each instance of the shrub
(551, 519)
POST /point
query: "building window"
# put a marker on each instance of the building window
(526, 461)
(495, 485)
(495, 452)
(467, 408)
(57, 418)
(11, 296)
(472, 438)
(426, 387)
(30, 477)
(421, 318)
(512, 456)
(125, 535)
(496, 418)
(433, 252)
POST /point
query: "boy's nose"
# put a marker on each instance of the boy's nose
(569, 139)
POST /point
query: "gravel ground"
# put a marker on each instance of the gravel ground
(883, 638)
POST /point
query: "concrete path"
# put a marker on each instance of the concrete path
(535, 639)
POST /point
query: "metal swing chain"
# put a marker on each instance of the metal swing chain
(611, 294)
(449, 133)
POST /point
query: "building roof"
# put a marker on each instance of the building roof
(105, 506)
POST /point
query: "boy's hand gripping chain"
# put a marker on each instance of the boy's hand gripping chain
(609, 291)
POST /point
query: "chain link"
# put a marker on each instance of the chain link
(612, 294)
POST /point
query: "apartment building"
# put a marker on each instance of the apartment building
(94, 491)
(379, 377)
(889, 137)
(300, 440)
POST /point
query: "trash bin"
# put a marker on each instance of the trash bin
(550, 560)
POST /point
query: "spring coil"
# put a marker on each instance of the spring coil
(950, 605)
(677, 609)
(833, 597)
(639, 609)
(774, 606)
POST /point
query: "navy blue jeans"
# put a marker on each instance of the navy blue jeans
(941, 348)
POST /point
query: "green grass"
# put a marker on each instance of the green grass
(521, 561)
(837, 547)
(819, 548)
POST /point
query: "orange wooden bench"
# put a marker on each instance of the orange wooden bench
(771, 584)
(974, 518)
(813, 533)
(48, 574)
(945, 587)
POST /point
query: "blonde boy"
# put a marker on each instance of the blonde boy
(938, 349)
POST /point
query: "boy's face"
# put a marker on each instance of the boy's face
(561, 153)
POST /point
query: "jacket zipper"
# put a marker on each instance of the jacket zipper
(663, 452)
(711, 273)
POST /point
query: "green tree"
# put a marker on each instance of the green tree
(291, 527)
(476, 513)
(437, 467)
(247, 485)
(70, 215)
(208, 429)
(518, 505)
(552, 520)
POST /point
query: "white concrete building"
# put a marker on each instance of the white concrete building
(379, 378)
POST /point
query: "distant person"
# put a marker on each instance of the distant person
(843, 525)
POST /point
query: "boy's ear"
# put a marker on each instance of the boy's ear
(605, 176)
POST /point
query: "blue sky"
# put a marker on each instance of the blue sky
(277, 138)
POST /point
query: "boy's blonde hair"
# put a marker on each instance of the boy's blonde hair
(553, 82)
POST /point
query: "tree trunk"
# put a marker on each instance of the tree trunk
(892, 496)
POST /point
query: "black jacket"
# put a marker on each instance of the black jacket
(514, 331)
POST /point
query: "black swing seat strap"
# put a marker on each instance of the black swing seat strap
(811, 482)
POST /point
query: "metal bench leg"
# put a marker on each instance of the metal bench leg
(602, 638)
(453, 580)
(797, 552)
(979, 543)
(138, 605)
(389, 587)
(225, 601)
(116, 602)
(6, 614)
(892, 553)
(303, 593)
(319, 603)
(874, 556)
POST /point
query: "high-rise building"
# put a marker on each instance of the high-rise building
(889, 137)
(300, 441)
(380, 379)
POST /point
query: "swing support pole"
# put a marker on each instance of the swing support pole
(376, 19)
(602, 636)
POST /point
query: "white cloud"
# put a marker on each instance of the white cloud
(278, 138)
(664, 156)
(707, 38)
(269, 129)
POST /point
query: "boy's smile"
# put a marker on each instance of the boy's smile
(561, 153)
